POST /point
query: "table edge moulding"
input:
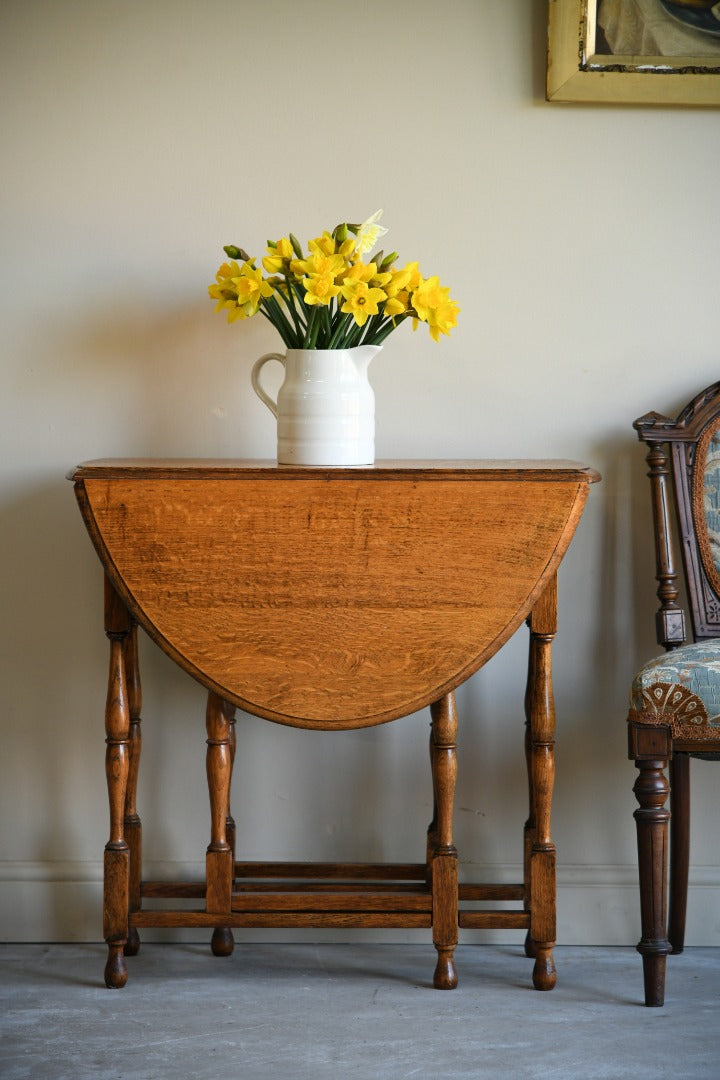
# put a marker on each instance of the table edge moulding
(329, 598)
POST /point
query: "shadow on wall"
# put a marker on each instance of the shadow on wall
(132, 382)
(121, 383)
(593, 767)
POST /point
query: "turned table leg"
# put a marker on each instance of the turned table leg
(444, 855)
(431, 838)
(219, 867)
(541, 940)
(133, 825)
(529, 830)
(116, 891)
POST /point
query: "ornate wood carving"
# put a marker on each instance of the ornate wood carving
(673, 720)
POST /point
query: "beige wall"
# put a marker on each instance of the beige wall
(581, 244)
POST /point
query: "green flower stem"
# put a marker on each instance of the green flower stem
(390, 325)
(341, 333)
(313, 329)
(280, 321)
(300, 326)
(273, 322)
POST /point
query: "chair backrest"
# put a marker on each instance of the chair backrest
(688, 448)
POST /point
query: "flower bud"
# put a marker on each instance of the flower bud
(296, 246)
(340, 233)
(388, 260)
(237, 253)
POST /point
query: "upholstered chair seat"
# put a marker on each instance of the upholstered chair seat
(681, 688)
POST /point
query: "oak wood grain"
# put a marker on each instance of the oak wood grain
(329, 598)
(332, 602)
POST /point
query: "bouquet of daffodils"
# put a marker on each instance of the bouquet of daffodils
(329, 297)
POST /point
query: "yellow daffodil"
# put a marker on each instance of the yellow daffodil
(320, 289)
(331, 274)
(324, 244)
(319, 263)
(444, 319)
(432, 304)
(397, 305)
(361, 301)
(224, 291)
(360, 271)
(279, 255)
(398, 289)
(250, 289)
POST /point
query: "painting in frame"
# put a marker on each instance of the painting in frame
(650, 52)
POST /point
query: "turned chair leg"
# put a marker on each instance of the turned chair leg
(651, 790)
(679, 848)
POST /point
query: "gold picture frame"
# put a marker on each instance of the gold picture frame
(582, 68)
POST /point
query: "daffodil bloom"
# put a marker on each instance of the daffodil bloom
(369, 233)
(380, 279)
(279, 255)
(251, 289)
(361, 301)
(444, 319)
(432, 304)
(318, 263)
(428, 296)
(399, 282)
(397, 305)
(360, 272)
(415, 279)
(320, 289)
(224, 290)
(324, 244)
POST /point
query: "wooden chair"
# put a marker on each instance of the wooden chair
(675, 698)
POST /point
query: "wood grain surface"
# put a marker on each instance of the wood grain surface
(333, 602)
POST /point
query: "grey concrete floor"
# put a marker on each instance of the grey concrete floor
(310, 1012)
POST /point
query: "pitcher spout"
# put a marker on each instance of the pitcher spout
(363, 354)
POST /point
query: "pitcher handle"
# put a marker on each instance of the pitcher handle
(255, 379)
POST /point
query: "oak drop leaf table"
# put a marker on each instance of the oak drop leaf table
(331, 599)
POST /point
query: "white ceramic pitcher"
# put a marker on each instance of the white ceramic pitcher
(325, 408)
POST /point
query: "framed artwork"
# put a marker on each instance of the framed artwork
(650, 52)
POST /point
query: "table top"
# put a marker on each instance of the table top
(473, 468)
(348, 599)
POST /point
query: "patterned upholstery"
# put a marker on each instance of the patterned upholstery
(681, 688)
(711, 498)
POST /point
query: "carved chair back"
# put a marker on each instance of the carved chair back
(688, 450)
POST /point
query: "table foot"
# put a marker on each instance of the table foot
(445, 977)
(132, 946)
(223, 942)
(544, 973)
(115, 969)
(654, 979)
